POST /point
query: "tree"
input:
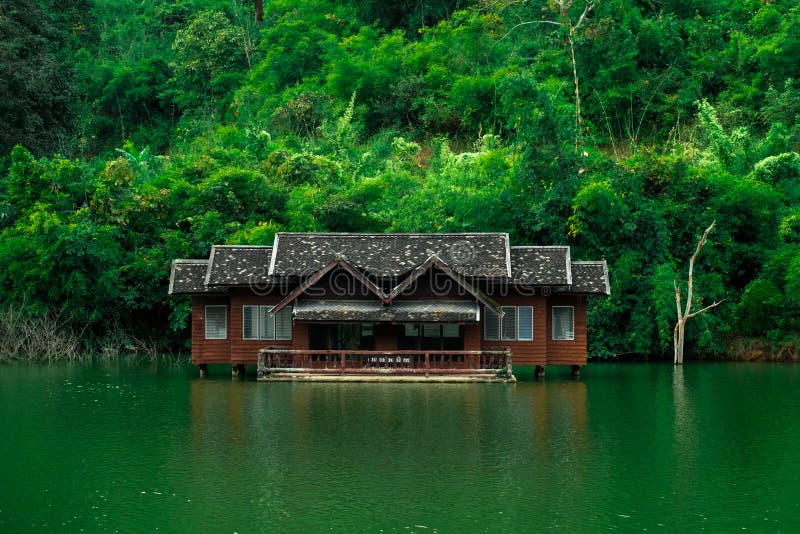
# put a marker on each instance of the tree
(36, 85)
(687, 313)
(563, 7)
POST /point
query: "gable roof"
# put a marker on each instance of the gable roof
(387, 298)
(317, 276)
(238, 265)
(541, 266)
(590, 277)
(387, 264)
(390, 255)
(187, 277)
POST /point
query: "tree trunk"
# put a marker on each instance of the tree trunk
(687, 313)
(259, 9)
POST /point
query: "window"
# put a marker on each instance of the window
(516, 324)
(509, 323)
(283, 324)
(258, 323)
(250, 322)
(430, 336)
(525, 323)
(216, 322)
(563, 322)
(491, 325)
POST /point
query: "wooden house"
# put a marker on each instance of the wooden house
(389, 305)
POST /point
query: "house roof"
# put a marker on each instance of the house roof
(238, 265)
(541, 266)
(187, 277)
(387, 255)
(375, 311)
(396, 258)
(590, 277)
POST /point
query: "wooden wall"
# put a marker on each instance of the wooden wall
(567, 352)
(246, 350)
(540, 351)
(208, 350)
(523, 352)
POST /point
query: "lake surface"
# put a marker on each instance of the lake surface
(712, 447)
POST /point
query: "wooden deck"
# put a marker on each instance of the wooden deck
(381, 366)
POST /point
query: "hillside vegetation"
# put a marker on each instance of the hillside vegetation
(134, 132)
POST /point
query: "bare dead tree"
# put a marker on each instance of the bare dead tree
(563, 7)
(686, 313)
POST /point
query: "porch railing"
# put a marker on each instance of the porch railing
(281, 360)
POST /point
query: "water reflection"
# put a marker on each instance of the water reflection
(627, 447)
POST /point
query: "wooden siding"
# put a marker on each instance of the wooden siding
(532, 352)
(540, 351)
(246, 350)
(567, 352)
(208, 350)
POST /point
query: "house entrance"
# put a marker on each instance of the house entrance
(341, 337)
(430, 336)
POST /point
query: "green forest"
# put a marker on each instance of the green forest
(133, 132)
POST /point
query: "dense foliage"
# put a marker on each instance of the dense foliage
(148, 131)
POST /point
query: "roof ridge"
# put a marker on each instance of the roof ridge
(190, 260)
(242, 246)
(392, 234)
(539, 246)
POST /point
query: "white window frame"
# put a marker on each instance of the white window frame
(262, 334)
(286, 315)
(571, 330)
(224, 307)
(255, 322)
(498, 335)
(519, 323)
(505, 319)
(487, 335)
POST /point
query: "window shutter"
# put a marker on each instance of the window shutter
(563, 323)
(509, 322)
(431, 330)
(451, 330)
(216, 322)
(411, 330)
(249, 322)
(283, 324)
(267, 330)
(491, 325)
(525, 320)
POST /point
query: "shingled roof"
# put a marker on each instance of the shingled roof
(389, 255)
(541, 266)
(238, 265)
(374, 310)
(188, 277)
(590, 277)
(476, 254)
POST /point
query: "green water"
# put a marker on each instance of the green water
(712, 447)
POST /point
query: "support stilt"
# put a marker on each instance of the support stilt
(540, 371)
(237, 370)
(203, 369)
(576, 371)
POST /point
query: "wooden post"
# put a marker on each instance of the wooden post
(576, 371)
(509, 366)
(203, 369)
(540, 371)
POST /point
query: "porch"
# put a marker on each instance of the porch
(276, 363)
